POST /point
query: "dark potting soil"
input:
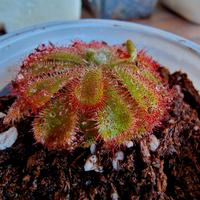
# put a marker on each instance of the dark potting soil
(30, 171)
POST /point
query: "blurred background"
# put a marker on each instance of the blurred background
(181, 17)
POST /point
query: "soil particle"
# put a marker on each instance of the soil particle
(171, 171)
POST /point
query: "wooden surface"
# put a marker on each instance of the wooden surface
(165, 19)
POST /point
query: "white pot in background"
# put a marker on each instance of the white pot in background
(187, 9)
(16, 14)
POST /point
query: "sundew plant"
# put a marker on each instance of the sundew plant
(87, 92)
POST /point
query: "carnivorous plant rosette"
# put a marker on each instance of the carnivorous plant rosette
(87, 92)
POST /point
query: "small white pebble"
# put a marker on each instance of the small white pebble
(128, 144)
(196, 128)
(114, 196)
(8, 138)
(154, 143)
(119, 155)
(2, 115)
(93, 148)
(91, 164)
(115, 164)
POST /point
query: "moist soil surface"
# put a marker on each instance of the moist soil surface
(30, 171)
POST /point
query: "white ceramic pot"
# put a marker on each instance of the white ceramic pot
(188, 9)
(16, 14)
